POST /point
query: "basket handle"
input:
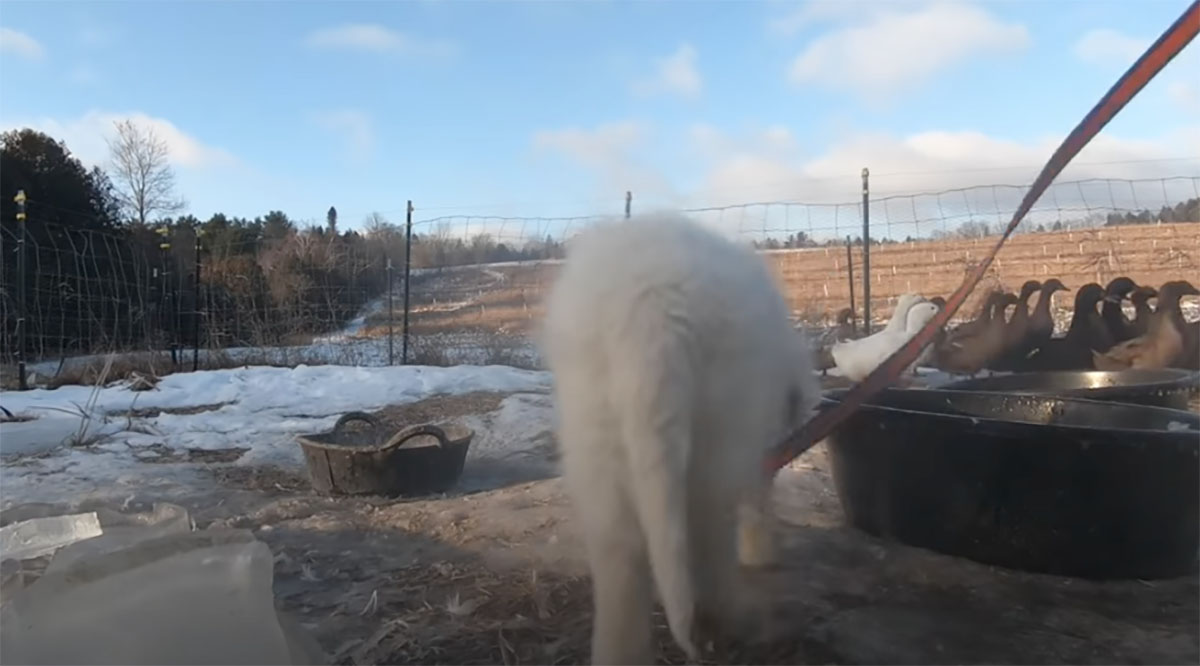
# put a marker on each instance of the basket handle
(354, 416)
(414, 431)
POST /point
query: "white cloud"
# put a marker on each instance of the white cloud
(766, 164)
(676, 74)
(896, 50)
(932, 161)
(86, 136)
(941, 165)
(375, 38)
(614, 152)
(775, 141)
(809, 13)
(13, 41)
(594, 148)
(1107, 47)
(817, 11)
(354, 127)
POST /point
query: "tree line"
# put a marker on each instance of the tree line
(1184, 211)
(110, 264)
(801, 239)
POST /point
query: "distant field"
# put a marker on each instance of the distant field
(815, 279)
(506, 299)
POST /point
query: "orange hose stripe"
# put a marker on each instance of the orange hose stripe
(1162, 51)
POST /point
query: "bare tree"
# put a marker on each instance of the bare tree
(376, 225)
(142, 171)
(974, 229)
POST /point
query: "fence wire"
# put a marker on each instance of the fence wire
(476, 282)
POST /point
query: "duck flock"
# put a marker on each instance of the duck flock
(1011, 336)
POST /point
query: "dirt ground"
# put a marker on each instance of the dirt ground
(495, 574)
(498, 577)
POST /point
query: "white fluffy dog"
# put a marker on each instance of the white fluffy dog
(675, 369)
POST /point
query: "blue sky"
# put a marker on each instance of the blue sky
(555, 108)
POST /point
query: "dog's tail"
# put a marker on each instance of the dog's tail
(658, 385)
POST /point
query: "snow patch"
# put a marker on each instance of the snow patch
(261, 409)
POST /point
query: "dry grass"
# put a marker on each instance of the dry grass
(161, 453)
(513, 309)
(451, 613)
(152, 366)
(425, 351)
(488, 349)
(814, 280)
(817, 278)
(123, 367)
(455, 613)
(441, 408)
(265, 479)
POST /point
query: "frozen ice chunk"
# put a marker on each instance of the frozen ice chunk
(186, 598)
(121, 530)
(42, 536)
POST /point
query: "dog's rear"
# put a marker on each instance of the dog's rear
(673, 362)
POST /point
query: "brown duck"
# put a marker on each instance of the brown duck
(1017, 327)
(1114, 317)
(846, 330)
(1163, 345)
(1142, 310)
(975, 325)
(1191, 346)
(1038, 331)
(1088, 322)
(1085, 334)
(970, 352)
(1041, 322)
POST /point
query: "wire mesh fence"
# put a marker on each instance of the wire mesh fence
(468, 289)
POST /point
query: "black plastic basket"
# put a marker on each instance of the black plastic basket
(374, 462)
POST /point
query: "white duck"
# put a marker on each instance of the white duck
(857, 358)
(912, 327)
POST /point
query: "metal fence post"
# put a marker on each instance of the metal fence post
(165, 320)
(628, 203)
(22, 379)
(196, 303)
(866, 252)
(390, 316)
(407, 276)
(850, 270)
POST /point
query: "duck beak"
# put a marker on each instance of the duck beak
(1112, 298)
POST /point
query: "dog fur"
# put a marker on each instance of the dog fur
(675, 368)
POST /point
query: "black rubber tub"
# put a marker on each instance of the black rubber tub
(1168, 387)
(1063, 486)
(378, 462)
